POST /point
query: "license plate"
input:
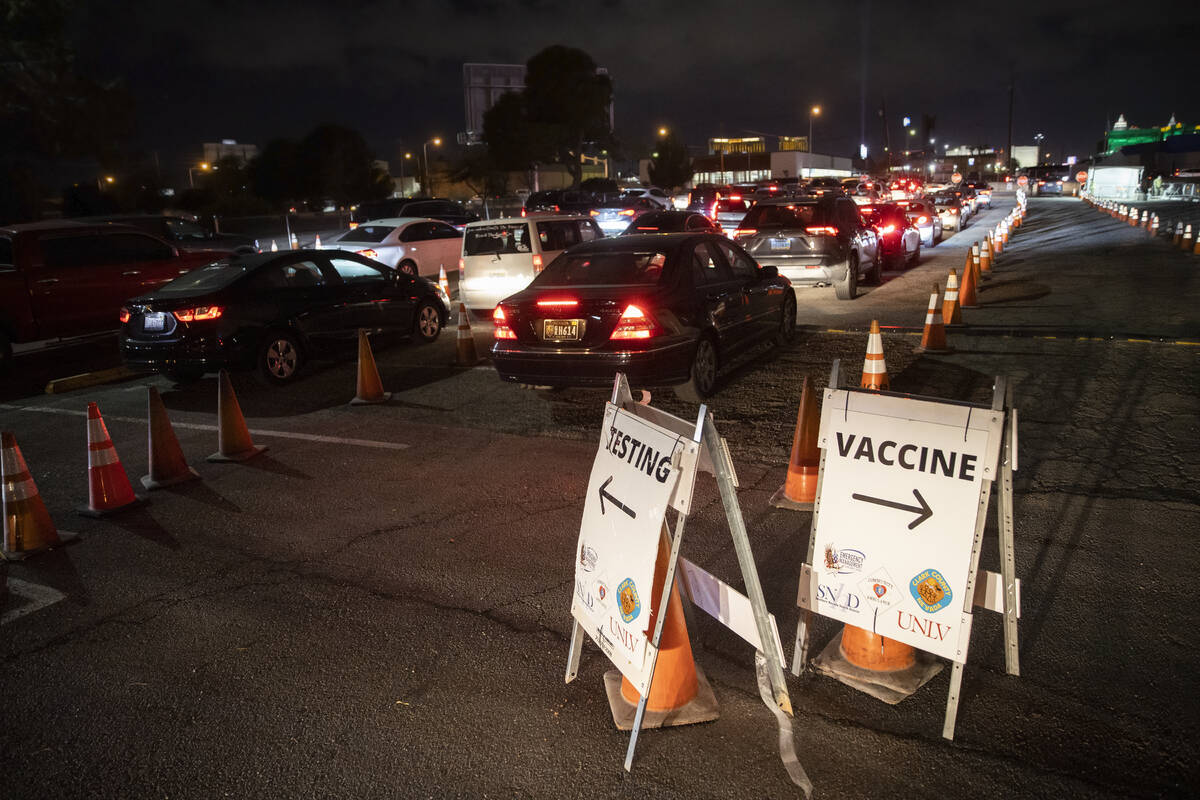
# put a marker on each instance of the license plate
(561, 330)
(781, 244)
(154, 321)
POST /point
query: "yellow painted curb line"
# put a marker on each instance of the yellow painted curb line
(89, 379)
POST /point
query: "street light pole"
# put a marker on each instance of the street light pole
(436, 142)
(407, 156)
(813, 112)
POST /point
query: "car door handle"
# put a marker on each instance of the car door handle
(131, 272)
(48, 280)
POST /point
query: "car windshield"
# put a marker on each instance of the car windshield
(490, 239)
(182, 229)
(796, 215)
(662, 221)
(604, 269)
(367, 233)
(208, 278)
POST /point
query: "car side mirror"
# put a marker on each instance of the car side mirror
(768, 272)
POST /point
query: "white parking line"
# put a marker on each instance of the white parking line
(307, 437)
(36, 595)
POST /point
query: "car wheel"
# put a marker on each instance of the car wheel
(703, 373)
(408, 267)
(184, 375)
(916, 255)
(428, 323)
(874, 275)
(280, 357)
(847, 287)
(787, 321)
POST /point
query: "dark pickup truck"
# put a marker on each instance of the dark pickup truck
(63, 278)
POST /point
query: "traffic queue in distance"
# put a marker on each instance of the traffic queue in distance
(229, 306)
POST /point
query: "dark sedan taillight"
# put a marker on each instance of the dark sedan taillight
(500, 321)
(634, 324)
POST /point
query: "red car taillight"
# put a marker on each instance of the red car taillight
(634, 324)
(627, 212)
(818, 229)
(921, 220)
(368, 253)
(744, 232)
(125, 315)
(462, 269)
(503, 331)
(886, 229)
(564, 303)
(198, 314)
(537, 263)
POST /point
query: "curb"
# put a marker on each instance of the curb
(89, 379)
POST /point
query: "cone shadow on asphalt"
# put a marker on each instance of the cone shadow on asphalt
(203, 493)
(141, 523)
(55, 569)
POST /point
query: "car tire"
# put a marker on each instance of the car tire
(847, 287)
(786, 333)
(280, 358)
(874, 275)
(184, 376)
(408, 267)
(427, 322)
(703, 373)
(915, 257)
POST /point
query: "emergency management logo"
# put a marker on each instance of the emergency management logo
(930, 590)
(627, 597)
(587, 558)
(844, 561)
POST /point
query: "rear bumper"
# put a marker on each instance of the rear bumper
(807, 270)
(667, 365)
(206, 353)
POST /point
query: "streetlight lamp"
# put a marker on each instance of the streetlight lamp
(203, 166)
(436, 142)
(662, 132)
(109, 179)
(815, 111)
(407, 157)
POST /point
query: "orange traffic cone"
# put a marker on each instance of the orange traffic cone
(167, 464)
(1186, 243)
(985, 256)
(443, 281)
(109, 490)
(883, 668)
(317, 242)
(875, 375)
(467, 356)
(233, 437)
(1196, 247)
(933, 338)
(799, 489)
(997, 241)
(1004, 231)
(977, 264)
(274, 247)
(967, 297)
(370, 387)
(951, 313)
(1178, 234)
(28, 528)
(1154, 226)
(679, 692)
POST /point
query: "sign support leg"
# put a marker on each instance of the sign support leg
(574, 651)
(741, 544)
(1008, 568)
(956, 674)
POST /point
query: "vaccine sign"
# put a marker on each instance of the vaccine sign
(899, 498)
(636, 469)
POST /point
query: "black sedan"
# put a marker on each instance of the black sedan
(672, 222)
(273, 312)
(666, 309)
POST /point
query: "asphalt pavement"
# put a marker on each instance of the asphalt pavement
(379, 605)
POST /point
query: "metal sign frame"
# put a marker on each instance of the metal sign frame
(1002, 401)
(713, 457)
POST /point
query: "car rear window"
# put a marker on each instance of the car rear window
(6, 252)
(604, 269)
(731, 206)
(367, 233)
(796, 215)
(208, 278)
(489, 239)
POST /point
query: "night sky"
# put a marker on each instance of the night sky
(251, 71)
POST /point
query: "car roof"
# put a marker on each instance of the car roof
(398, 221)
(483, 223)
(809, 199)
(653, 241)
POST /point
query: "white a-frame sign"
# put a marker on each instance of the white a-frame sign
(897, 531)
(647, 462)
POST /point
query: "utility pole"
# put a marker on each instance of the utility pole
(1008, 153)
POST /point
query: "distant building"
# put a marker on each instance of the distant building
(1125, 135)
(484, 84)
(229, 148)
(1026, 155)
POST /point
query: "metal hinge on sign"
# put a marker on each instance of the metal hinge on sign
(729, 463)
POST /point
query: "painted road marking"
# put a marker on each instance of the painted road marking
(307, 437)
(35, 595)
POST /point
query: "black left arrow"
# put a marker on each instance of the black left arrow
(923, 511)
(603, 494)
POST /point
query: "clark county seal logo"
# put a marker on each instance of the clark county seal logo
(627, 596)
(930, 590)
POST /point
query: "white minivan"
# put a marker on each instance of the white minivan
(501, 256)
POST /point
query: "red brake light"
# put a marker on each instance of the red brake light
(565, 303)
(353, 225)
(735, 197)
(369, 253)
(921, 220)
(865, 209)
(744, 232)
(556, 208)
(818, 229)
(198, 314)
(503, 331)
(537, 263)
(627, 212)
(524, 213)
(125, 315)
(634, 324)
(886, 229)
(594, 213)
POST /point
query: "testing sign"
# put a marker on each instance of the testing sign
(900, 495)
(636, 470)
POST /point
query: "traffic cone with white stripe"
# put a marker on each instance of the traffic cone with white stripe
(317, 242)
(997, 241)
(951, 313)
(467, 357)
(109, 490)
(977, 264)
(967, 297)
(28, 528)
(875, 375)
(233, 437)
(1186, 243)
(274, 246)
(933, 338)
(167, 464)
(443, 281)
(1196, 247)
(799, 490)
(370, 387)
(1154, 226)
(1178, 237)
(985, 255)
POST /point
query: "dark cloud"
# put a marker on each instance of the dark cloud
(212, 69)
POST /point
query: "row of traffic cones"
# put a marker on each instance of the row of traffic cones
(1182, 235)
(28, 527)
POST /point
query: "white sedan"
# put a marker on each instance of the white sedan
(413, 245)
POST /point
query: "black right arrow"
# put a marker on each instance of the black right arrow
(603, 495)
(923, 511)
